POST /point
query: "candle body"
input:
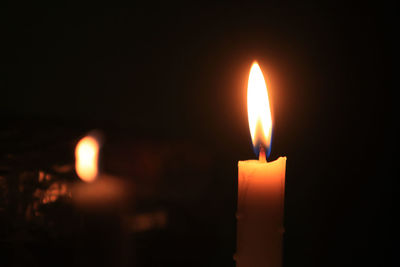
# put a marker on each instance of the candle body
(261, 189)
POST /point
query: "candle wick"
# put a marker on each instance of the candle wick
(261, 155)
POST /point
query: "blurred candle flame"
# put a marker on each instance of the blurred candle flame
(86, 158)
(258, 109)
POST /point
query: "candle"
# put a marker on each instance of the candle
(99, 190)
(261, 186)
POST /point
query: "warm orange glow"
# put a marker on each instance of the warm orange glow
(259, 113)
(86, 157)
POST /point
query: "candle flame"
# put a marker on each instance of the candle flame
(258, 109)
(86, 158)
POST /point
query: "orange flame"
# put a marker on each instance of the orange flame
(258, 109)
(86, 158)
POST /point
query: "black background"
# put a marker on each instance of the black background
(178, 73)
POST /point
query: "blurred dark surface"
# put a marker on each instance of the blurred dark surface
(167, 87)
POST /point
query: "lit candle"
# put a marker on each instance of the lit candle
(100, 190)
(261, 186)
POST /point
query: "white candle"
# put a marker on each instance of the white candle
(261, 187)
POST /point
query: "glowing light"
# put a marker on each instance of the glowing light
(258, 109)
(86, 158)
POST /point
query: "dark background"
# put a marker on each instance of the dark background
(174, 78)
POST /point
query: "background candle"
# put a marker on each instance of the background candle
(261, 187)
(100, 191)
